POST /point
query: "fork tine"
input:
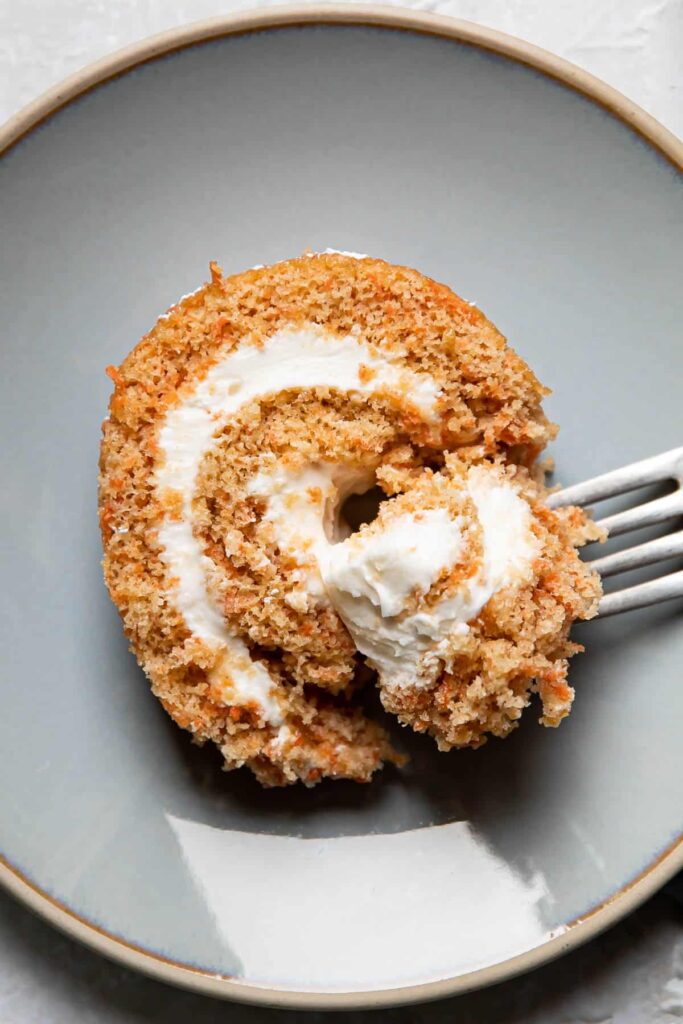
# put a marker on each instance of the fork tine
(648, 471)
(653, 592)
(644, 515)
(658, 550)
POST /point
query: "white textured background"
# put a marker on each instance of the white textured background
(635, 45)
(632, 975)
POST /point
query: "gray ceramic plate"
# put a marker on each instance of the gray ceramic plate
(490, 166)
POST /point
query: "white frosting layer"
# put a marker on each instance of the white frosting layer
(510, 546)
(304, 507)
(345, 252)
(370, 576)
(382, 570)
(291, 359)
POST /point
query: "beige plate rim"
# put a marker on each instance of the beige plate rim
(653, 133)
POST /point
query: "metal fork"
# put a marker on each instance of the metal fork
(667, 466)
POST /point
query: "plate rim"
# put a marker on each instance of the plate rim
(653, 133)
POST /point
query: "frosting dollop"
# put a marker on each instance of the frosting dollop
(380, 579)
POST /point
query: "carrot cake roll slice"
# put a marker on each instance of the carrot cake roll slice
(238, 427)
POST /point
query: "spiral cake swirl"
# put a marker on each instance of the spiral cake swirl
(238, 427)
